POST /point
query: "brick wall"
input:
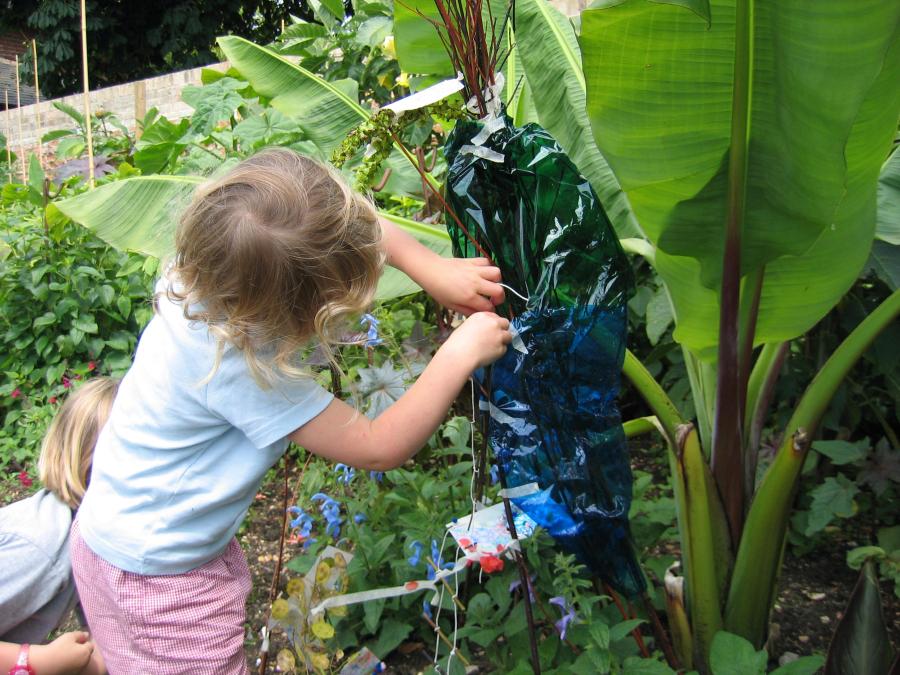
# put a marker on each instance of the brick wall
(124, 100)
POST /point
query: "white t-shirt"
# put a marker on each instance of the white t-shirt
(179, 462)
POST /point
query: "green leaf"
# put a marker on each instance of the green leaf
(326, 111)
(123, 304)
(390, 634)
(659, 315)
(884, 260)
(419, 49)
(213, 103)
(889, 538)
(861, 643)
(659, 85)
(86, 324)
(698, 7)
(733, 655)
(372, 32)
(46, 319)
(261, 129)
(138, 214)
(805, 665)
(549, 50)
(857, 557)
(888, 227)
(833, 498)
(623, 629)
(635, 665)
(843, 452)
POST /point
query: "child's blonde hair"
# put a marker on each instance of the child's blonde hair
(273, 254)
(68, 446)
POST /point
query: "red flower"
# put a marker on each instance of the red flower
(25, 480)
(92, 365)
(52, 399)
(491, 564)
(16, 393)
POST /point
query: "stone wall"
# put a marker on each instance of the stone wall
(126, 101)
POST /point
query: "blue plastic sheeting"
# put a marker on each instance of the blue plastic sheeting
(554, 423)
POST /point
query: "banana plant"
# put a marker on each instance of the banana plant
(748, 137)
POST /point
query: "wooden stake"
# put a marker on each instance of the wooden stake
(87, 96)
(19, 118)
(8, 134)
(37, 106)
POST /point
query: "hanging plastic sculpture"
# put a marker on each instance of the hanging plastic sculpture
(554, 422)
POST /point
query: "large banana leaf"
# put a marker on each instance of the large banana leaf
(325, 110)
(141, 214)
(822, 110)
(549, 50)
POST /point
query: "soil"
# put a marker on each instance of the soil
(813, 590)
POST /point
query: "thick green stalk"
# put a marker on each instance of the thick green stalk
(703, 531)
(727, 455)
(758, 558)
(760, 390)
(653, 394)
(641, 426)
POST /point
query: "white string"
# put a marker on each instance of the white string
(514, 291)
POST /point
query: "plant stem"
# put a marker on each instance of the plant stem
(726, 455)
(759, 553)
(656, 398)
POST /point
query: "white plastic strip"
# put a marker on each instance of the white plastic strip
(433, 94)
(520, 491)
(483, 152)
(392, 592)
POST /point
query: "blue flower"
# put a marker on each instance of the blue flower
(376, 475)
(416, 547)
(568, 614)
(331, 510)
(359, 518)
(517, 583)
(349, 473)
(372, 339)
(436, 557)
(303, 521)
(426, 609)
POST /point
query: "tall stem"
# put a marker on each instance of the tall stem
(727, 460)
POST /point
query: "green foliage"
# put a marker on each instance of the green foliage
(70, 307)
(733, 655)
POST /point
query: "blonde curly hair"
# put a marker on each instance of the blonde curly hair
(273, 254)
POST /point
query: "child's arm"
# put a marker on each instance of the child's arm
(341, 434)
(465, 285)
(66, 655)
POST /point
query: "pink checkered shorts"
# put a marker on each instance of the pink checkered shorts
(180, 624)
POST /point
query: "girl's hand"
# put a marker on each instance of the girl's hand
(480, 340)
(66, 655)
(465, 285)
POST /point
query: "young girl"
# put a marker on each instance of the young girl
(271, 256)
(36, 586)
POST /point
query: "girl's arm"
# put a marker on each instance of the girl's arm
(66, 655)
(341, 434)
(465, 285)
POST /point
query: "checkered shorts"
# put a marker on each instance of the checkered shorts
(180, 624)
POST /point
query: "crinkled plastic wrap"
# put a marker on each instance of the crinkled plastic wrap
(554, 423)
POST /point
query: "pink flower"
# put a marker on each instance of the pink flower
(25, 480)
(92, 365)
(52, 399)
(66, 382)
(16, 393)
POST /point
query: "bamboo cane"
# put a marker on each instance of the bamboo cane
(8, 134)
(37, 106)
(87, 97)
(19, 118)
